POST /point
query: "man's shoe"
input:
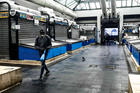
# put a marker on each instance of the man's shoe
(47, 73)
(40, 79)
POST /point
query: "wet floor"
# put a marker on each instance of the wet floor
(97, 69)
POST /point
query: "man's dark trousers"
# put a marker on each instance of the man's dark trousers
(43, 65)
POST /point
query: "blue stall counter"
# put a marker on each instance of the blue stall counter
(73, 44)
(136, 52)
(130, 42)
(87, 42)
(91, 41)
(28, 52)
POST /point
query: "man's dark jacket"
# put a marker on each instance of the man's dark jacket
(43, 42)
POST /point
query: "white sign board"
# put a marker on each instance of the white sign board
(36, 22)
(17, 27)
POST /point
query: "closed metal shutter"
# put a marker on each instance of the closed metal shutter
(4, 38)
(90, 34)
(28, 31)
(60, 32)
(75, 33)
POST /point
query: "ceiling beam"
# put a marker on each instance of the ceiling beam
(95, 4)
(77, 5)
(89, 5)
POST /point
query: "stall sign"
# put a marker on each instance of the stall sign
(29, 17)
(12, 12)
(4, 14)
(43, 19)
(36, 22)
(37, 18)
(23, 15)
(17, 27)
(47, 17)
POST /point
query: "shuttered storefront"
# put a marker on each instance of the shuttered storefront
(75, 33)
(4, 38)
(28, 31)
(60, 32)
(90, 34)
(4, 31)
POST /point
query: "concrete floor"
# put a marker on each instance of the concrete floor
(104, 70)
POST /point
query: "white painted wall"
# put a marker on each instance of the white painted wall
(89, 13)
(128, 11)
(122, 11)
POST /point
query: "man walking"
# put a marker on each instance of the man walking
(43, 43)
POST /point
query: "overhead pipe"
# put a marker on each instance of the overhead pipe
(103, 6)
(47, 11)
(25, 9)
(113, 8)
(55, 6)
(66, 20)
(21, 8)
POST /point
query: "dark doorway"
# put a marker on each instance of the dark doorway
(109, 30)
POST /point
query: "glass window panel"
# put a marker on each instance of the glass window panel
(98, 5)
(138, 3)
(128, 2)
(69, 2)
(108, 4)
(78, 7)
(135, 3)
(123, 3)
(61, 1)
(92, 5)
(73, 5)
(95, 4)
(82, 6)
(118, 3)
(87, 6)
